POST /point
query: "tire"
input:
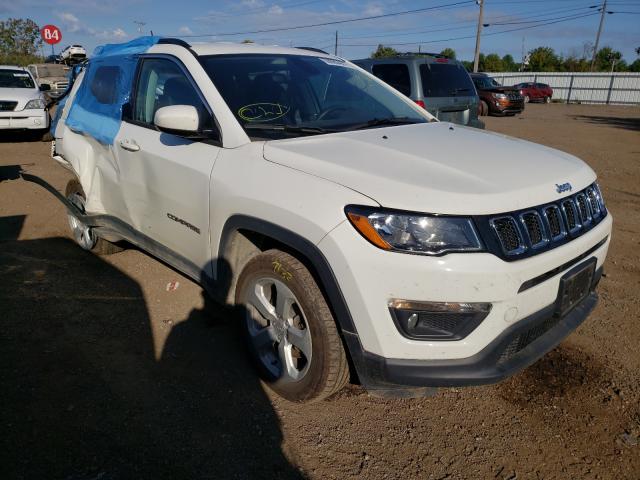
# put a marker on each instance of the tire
(484, 108)
(526, 99)
(83, 235)
(297, 350)
(547, 99)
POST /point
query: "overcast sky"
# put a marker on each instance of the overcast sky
(94, 22)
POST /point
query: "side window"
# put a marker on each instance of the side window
(396, 75)
(104, 84)
(162, 83)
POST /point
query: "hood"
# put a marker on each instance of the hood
(21, 95)
(436, 167)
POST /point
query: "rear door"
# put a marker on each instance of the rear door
(165, 178)
(448, 91)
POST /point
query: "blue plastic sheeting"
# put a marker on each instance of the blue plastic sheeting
(106, 87)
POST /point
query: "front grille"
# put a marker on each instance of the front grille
(583, 208)
(570, 215)
(507, 231)
(514, 96)
(547, 226)
(6, 106)
(554, 220)
(594, 203)
(533, 227)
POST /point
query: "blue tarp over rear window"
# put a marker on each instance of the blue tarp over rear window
(106, 87)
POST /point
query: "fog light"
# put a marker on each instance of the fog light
(437, 320)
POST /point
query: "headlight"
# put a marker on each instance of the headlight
(413, 232)
(35, 103)
(500, 96)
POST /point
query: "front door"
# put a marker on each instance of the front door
(165, 178)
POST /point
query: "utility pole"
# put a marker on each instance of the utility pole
(335, 50)
(476, 58)
(140, 25)
(603, 11)
(522, 62)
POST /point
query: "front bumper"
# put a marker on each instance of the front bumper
(516, 348)
(24, 120)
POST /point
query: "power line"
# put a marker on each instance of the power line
(472, 36)
(468, 23)
(335, 22)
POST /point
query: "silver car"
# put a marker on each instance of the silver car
(437, 83)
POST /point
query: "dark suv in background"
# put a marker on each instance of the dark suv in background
(496, 99)
(439, 84)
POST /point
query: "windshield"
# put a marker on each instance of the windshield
(52, 71)
(15, 79)
(445, 80)
(279, 95)
(485, 82)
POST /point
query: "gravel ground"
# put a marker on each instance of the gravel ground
(105, 374)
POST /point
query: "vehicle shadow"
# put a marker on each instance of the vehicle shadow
(20, 136)
(628, 123)
(85, 395)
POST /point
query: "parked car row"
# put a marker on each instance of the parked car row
(444, 88)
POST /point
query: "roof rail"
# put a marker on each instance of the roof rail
(421, 54)
(313, 49)
(174, 41)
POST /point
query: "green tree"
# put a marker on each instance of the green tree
(635, 66)
(384, 52)
(492, 63)
(606, 58)
(19, 41)
(509, 64)
(449, 52)
(543, 59)
(575, 64)
(19, 36)
(246, 40)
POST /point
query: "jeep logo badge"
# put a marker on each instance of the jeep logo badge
(563, 187)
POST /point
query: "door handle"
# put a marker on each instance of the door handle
(130, 145)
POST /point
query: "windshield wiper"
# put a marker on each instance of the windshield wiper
(280, 127)
(378, 122)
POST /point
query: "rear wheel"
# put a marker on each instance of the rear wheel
(547, 99)
(290, 331)
(83, 234)
(526, 99)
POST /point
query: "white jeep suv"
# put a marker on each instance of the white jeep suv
(356, 235)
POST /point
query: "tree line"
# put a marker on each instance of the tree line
(541, 59)
(20, 42)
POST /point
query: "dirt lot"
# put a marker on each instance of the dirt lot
(106, 375)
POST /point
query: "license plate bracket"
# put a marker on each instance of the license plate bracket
(575, 285)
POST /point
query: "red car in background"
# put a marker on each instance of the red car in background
(535, 92)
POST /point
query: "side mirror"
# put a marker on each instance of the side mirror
(177, 119)
(45, 87)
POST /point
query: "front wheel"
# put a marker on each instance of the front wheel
(526, 99)
(83, 234)
(291, 334)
